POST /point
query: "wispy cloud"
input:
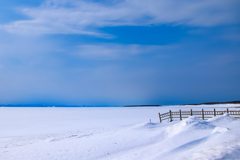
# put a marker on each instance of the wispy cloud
(112, 51)
(84, 17)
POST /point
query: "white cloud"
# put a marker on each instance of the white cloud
(84, 17)
(112, 51)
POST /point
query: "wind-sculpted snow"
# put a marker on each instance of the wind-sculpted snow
(191, 123)
(189, 139)
(146, 126)
(222, 119)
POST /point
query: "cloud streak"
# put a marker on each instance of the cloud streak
(110, 51)
(85, 17)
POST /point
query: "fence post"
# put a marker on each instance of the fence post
(160, 117)
(180, 114)
(170, 113)
(214, 112)
(191, 112)
(202, 114)
(227, 110)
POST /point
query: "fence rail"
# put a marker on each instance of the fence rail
(203, 114)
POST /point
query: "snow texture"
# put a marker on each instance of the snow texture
(115, 134)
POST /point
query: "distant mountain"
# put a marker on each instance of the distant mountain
(210, 103)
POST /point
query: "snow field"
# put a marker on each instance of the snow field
(114, 134)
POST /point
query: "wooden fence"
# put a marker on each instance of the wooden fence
(200, 114)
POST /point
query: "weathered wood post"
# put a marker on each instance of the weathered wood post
(191, 112)
(214, 110)
(180, 114)
(170, 114)
(160, 117)
(202, 114)
(227, 110)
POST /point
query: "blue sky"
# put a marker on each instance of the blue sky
(119, 52)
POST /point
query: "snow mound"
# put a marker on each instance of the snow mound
(188, 124)
(220, 130)
(222, 119)
(195, 122)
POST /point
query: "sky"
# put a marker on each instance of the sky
(119, 52)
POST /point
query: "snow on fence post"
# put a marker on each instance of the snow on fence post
(191, 112)
(170, 113)
(202, 114)
(160, 117)
(214, 112)
(180, 114)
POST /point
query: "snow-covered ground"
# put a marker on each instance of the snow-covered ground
(115, 133)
